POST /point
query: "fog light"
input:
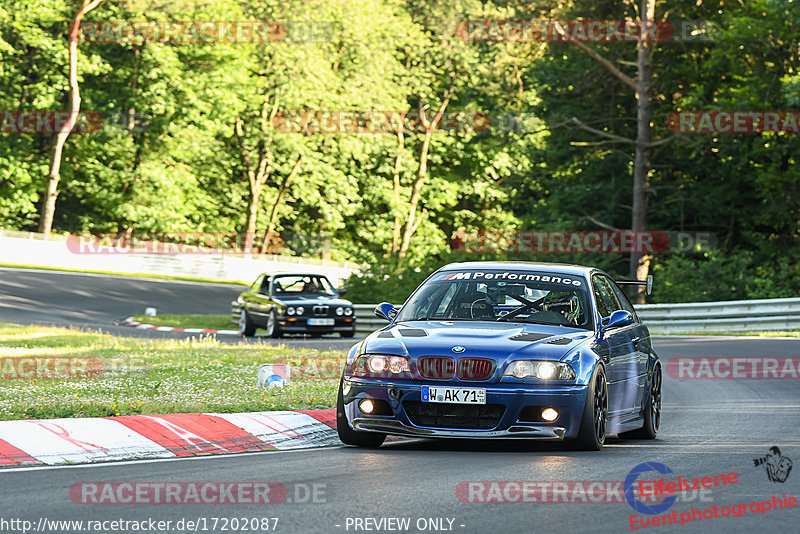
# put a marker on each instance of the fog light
(548, 414)
(366, 406)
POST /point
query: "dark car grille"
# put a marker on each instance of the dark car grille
(474, 368)
(436, 367)
(467, 416)
(321, 311)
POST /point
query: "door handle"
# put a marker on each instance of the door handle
(636, 341)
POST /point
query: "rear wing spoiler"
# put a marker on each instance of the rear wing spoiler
(647, 282)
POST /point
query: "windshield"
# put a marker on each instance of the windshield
(305, 284)
(513, 296)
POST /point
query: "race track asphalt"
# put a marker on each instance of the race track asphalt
(710, 427)
(96, 301)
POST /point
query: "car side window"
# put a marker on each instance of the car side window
(607, 302)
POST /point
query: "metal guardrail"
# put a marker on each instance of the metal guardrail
(725, 316)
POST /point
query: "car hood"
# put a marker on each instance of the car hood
(304, 300)
(499, 341)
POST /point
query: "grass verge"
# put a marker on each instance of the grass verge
(130, 275)
(207, 322)
(153, 376)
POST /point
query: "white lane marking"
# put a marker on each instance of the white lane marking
(54, 441)
(11, 469)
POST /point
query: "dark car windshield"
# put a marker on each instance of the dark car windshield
(302, 284)
(495, 295)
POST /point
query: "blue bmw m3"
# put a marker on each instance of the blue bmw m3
(505, 350)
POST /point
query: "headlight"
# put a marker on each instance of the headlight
(290, 310)
(348, 311)
(540, 370)
(300, 310)
(382, 366)
(339, 311)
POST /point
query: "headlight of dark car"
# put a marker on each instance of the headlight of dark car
(542, 370)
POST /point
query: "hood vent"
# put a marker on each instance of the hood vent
(529, 336)
(385, 334)
(560, 341)
(412, 332)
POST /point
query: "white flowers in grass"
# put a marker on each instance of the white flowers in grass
(152, 376)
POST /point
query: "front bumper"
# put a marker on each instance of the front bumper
(514, 398)
(302, 326)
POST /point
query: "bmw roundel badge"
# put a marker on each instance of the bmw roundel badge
(458, 348)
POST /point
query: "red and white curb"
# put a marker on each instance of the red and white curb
(144, 326)
(103, 439)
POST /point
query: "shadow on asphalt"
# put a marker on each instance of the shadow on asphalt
(487, 445)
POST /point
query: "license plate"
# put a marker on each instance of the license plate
(320, 322)
(454, 395)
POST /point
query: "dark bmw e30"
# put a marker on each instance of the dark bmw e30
(296, 303)
(505, 350)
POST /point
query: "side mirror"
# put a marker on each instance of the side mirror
(342, 291)
(617, 319)
(384, 310)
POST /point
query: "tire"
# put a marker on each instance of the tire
(246, 326)
(652, 411)
(273, 330)
(592, 433)
(348, 436)
(348, 334)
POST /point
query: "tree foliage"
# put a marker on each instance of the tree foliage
(170, 157)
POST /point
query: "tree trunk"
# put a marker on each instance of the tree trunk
(273, 216)
(639, 265)
(54, 174)
(256, 179)
(416, 192)
(398, 223)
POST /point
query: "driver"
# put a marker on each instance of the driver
(309, 287)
